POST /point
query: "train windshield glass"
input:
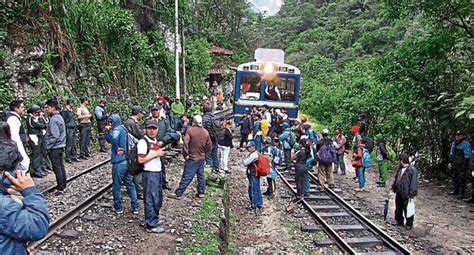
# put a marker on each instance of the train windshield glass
(280, 89)
(250, 87)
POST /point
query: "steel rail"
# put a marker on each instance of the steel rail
(70, 216)
(87, 170)
(392, 243)
(339, 241)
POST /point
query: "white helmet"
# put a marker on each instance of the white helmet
(197, 120)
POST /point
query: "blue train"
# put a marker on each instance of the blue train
(267, 81)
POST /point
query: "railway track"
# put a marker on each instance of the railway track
(67, 217)
(346, 227)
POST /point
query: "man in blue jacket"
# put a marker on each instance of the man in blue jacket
(459, 156)
(20, 223)
(116, 135)
(285, 139)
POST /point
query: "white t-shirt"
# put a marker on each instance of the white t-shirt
(153, 165)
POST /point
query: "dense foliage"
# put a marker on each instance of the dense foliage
(406, 65)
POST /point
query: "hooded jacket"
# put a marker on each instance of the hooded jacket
(407, 184)
(117, 137)
(20, 223)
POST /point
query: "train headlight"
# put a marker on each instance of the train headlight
(269, 68)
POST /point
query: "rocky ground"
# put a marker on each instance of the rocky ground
(442, 224)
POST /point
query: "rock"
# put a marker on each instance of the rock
(172, 231)
(91, 217)
(69, 233)
(179, 240)
(106, 205)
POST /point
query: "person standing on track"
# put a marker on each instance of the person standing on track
(35, 127)
(197, 143)
(255, 194)
(301, 169)
(405, 187)
(55, 143)
(245, 129)
(211, 124)
(225, 145)
(18, 134)
(84, 117)
(116, 135)
(340, 140)
(257, 131)
(71, 125)
(149, 153)
(326, 154)
(274, 154)
(287, 142)
(135, 133)
(101, 116)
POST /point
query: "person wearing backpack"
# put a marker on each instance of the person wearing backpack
(149, 152)
(340, 140)
(301, 169)
(116, 135)
(361, 162)
(19, 222)
(326, 154)
(225, 144)
(135, 133)
(356, 137)
(18, 134)
(272, 152)
(35, 127)
(211, 124)
(287, 139)
(255, 194)
(382, 160)
(196, 145)
(405, 187)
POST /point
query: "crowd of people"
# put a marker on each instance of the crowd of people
(147, 137)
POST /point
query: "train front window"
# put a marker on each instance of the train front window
(280, 89)
(250, 87)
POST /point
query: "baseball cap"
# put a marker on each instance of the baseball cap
(251, 144)
(156, 107)
(459, 132)
(136, 109)
(197, 120)
(151, 123)
(325, 131)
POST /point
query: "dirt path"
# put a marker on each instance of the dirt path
(442, 224)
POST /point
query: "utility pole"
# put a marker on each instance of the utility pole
(176, 50)
(183, 63)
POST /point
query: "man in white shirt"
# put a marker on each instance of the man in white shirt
(149, 153)
(18, 134)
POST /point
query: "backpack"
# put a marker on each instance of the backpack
(327, 153)
(292, 140)
(214, 127)
(366, 158)
(134, 167)
(262, 166)
(265, 126)
(370, 144)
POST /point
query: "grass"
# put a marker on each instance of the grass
(206, 242)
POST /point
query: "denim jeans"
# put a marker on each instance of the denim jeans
(119, 173)
(340, 163)
(255, 194)
(258, 143)
(361, 175)
(153, 197)
(211, 158)
(191, 168)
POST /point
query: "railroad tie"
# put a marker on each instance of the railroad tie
(363, 241)
(333, 214)
(314, 228)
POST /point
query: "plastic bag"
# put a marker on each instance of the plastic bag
(411, 207)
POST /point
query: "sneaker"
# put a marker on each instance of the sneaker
(156, 230)
(136, 211)
(408, 227)
(76, 160)
(343, 173)
(118, 211)
(59, 192)
(69, 161)
(200, 195)
(174, 196)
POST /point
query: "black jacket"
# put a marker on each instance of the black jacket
(69, 118)
(35, 126)
(406, 185)
(227, 141)
(134, 128)
(382, 149)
